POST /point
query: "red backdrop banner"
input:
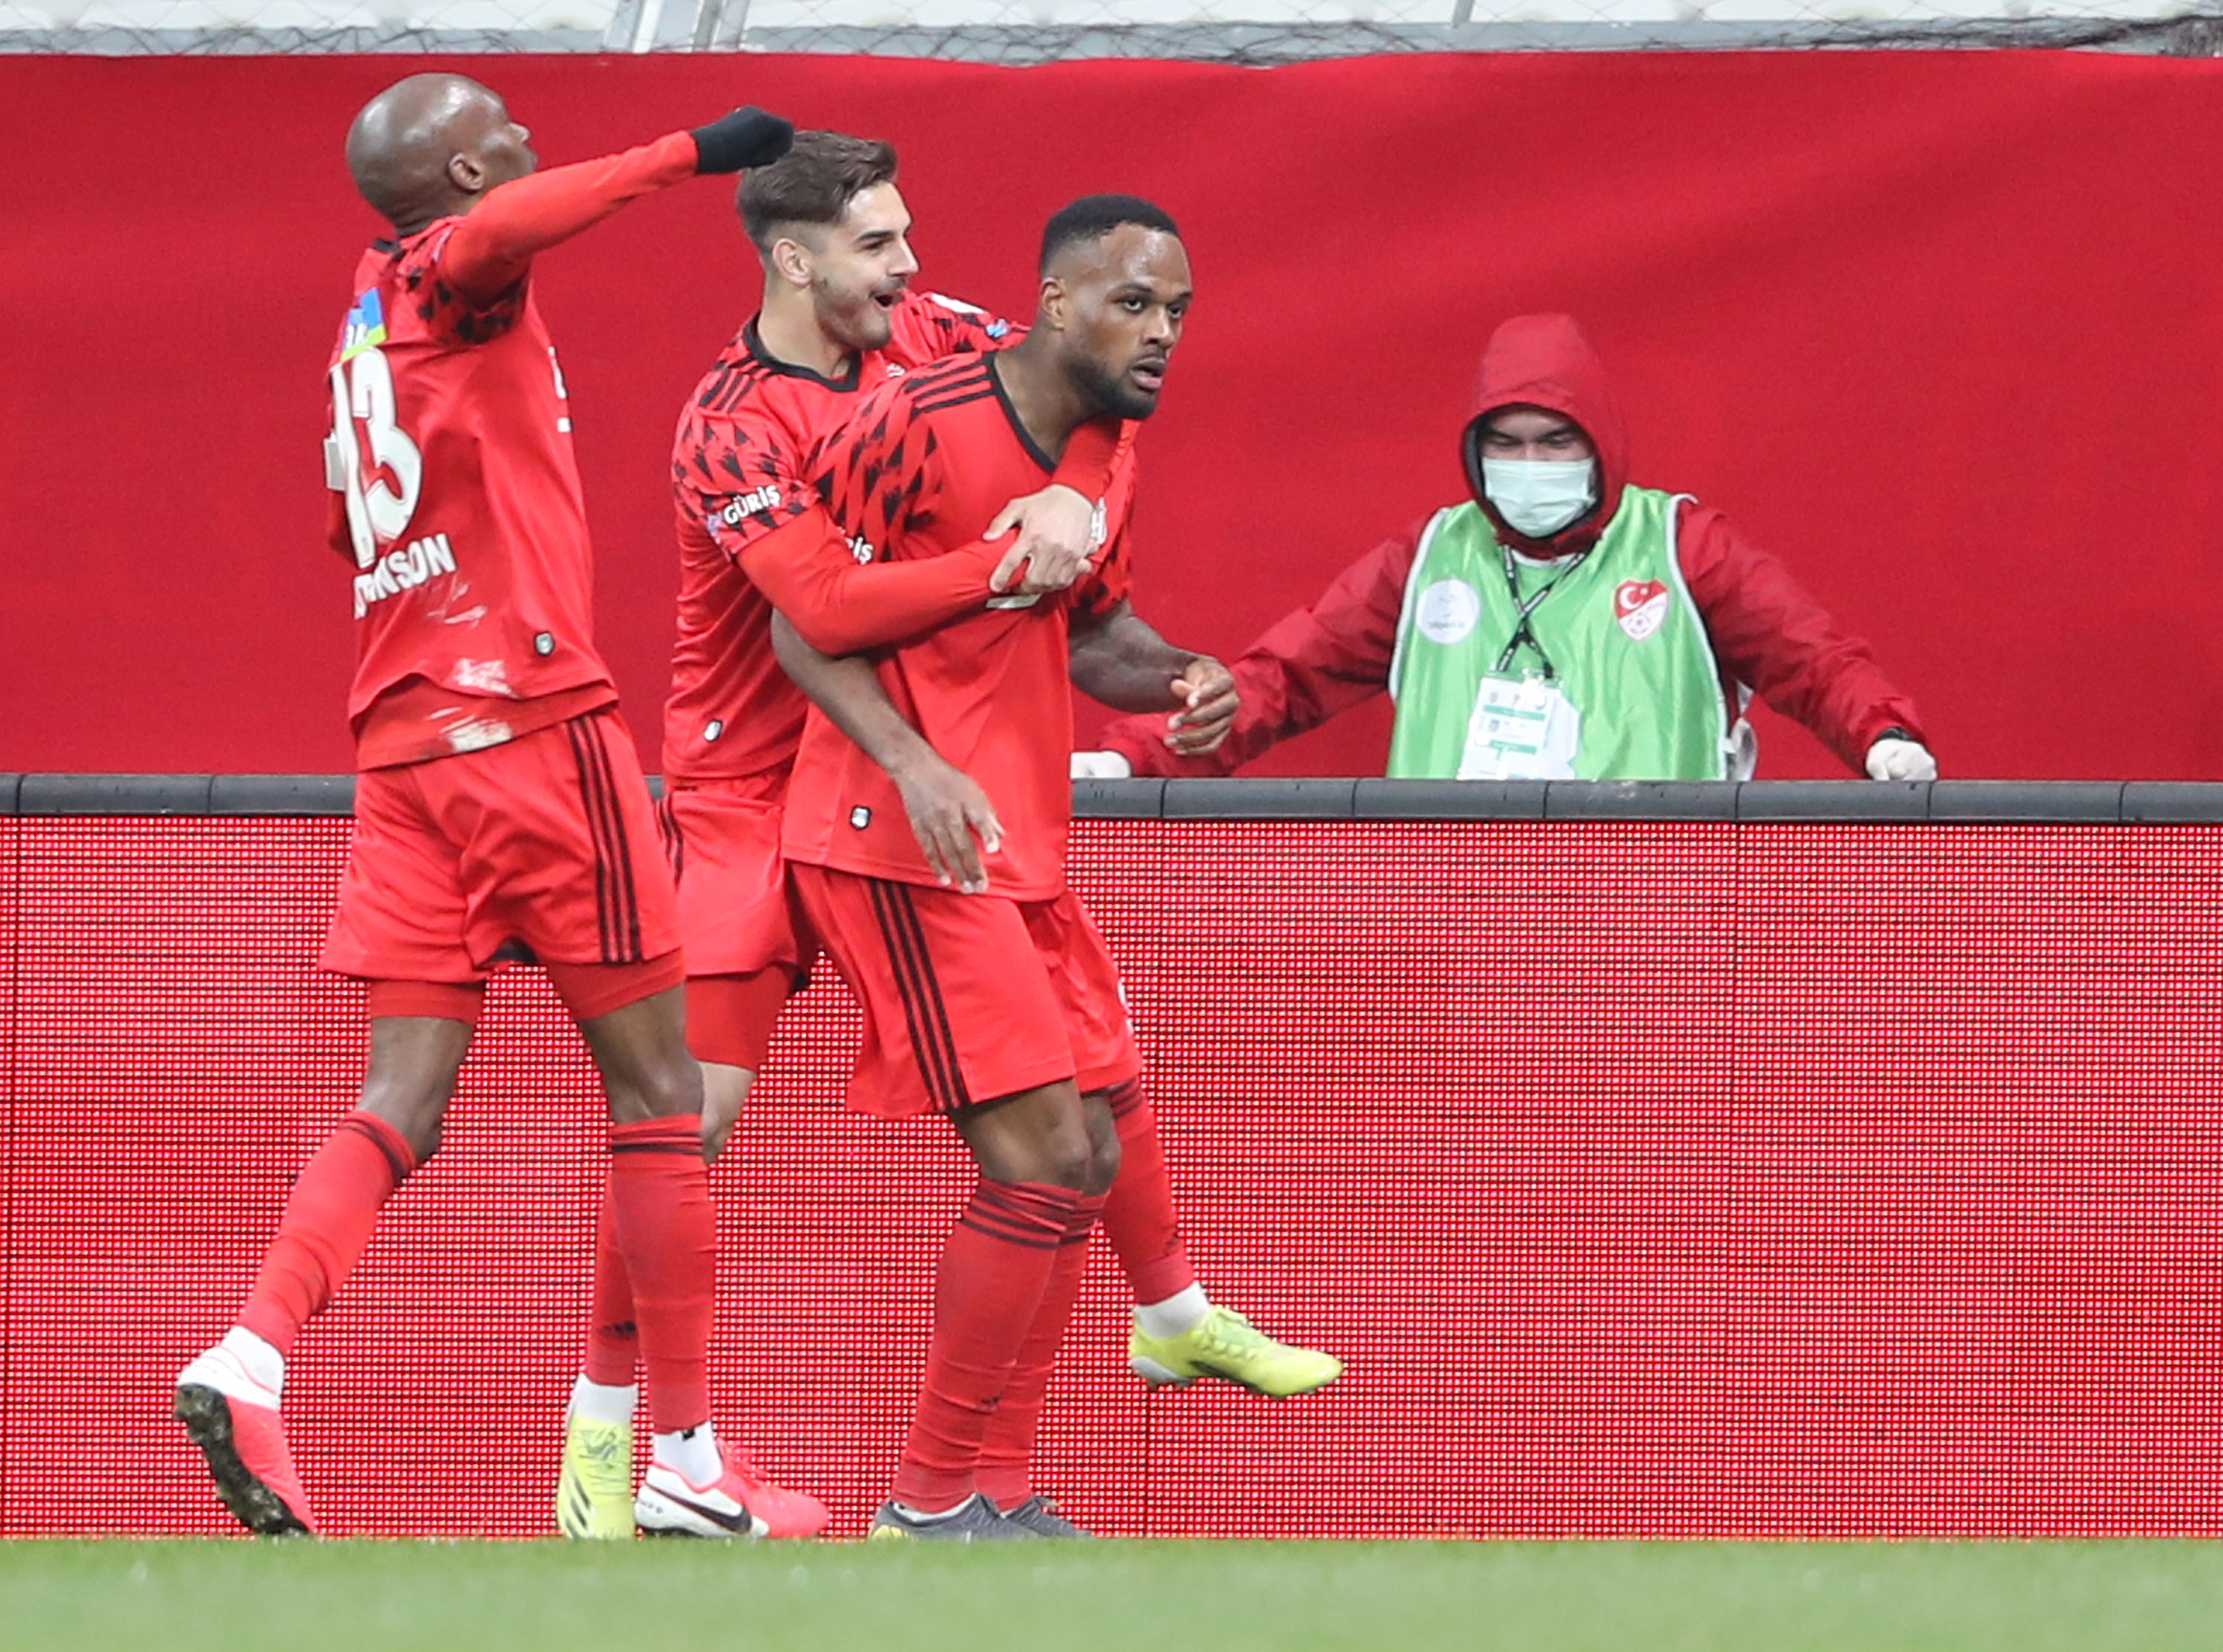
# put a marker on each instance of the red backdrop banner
(1939, 328)
(1671, 1180)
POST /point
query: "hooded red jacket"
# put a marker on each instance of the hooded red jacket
(1766, 633)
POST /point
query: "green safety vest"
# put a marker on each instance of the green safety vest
(1623, 635)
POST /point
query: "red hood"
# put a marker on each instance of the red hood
(1544, 361)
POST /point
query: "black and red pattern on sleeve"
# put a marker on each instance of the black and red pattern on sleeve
(451, 316)
(929, 327)
(467, 275)
(739, 478)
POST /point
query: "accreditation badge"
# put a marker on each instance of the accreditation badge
(1522, 728)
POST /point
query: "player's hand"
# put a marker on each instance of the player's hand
(1057, 536)
(1206, 692)
(747, 137)
(948, 812)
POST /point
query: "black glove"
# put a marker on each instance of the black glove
(747, 137)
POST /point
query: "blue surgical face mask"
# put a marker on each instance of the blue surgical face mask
(1538, 497)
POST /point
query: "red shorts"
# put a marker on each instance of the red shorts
(968, 998)
(736, 915)
(542, 849)
(747, 946)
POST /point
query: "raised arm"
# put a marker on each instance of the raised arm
(496, 244)
(948, 811)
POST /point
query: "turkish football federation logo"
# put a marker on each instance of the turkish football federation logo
(1640, 606)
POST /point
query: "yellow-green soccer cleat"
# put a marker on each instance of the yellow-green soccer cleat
(1228, 1347)
(594, 1494)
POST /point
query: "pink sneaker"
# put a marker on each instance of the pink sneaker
(784, 1513)
(743, 1503)
(234, 1420)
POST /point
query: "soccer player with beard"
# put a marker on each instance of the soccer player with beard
(838, 317)
(501, 813)
(995, 1003)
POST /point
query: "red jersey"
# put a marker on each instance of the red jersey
(753, 535)
(740, 469)
(458, 495)
(919, 471)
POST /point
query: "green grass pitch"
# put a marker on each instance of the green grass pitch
(1134, 1597)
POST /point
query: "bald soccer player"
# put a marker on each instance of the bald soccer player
(501, 813)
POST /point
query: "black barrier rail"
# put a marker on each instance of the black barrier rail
(2135, 802)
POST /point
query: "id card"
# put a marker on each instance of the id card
(1523, 728)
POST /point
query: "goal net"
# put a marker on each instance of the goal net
(1033, 31)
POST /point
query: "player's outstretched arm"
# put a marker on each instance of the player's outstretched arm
(841, 606)
(496, 241)
(1121, 660)
(948, 810)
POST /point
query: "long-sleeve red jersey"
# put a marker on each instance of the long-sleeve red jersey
(456, 495)
(755, 535)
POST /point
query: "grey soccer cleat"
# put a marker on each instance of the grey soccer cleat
(973, 1521)
(1039, 1516)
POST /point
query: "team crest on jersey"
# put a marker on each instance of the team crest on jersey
(1640, 608)
(366, 326)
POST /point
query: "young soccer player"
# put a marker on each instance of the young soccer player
(838, 316)
(501, 811)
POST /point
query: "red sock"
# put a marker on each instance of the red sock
(1007, 1449)
(994, 1269)
(613, 1340)
(329, 1215)
(667, 1237)
(1138, 1216)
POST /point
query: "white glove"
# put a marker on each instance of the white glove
(1101, 765)
(1892, 758)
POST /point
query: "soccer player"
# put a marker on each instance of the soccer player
(994, 1003)
(838, 315)
(501, 813)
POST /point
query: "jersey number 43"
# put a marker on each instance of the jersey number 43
(378, 510)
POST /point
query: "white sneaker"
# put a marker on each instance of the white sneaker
(671, 1506)
(222, 1369)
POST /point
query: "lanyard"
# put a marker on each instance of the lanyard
(1521, 633)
